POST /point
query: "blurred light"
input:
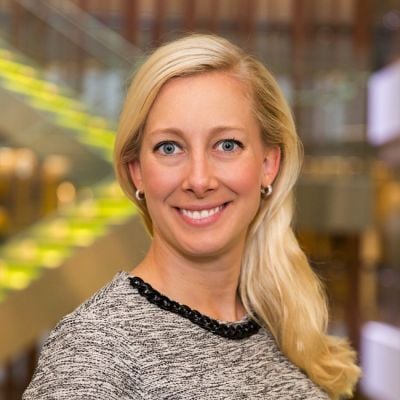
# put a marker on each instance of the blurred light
(370, 251)
(16, 280)
(25, 163)
(7, 160)
(339, 166)
(66, 193)
(98, 122)
(56, 165)
(391, 20)
(380, 362)
(52, 258)
(392, 192)
(25, 250)
(57, 229)
(384, 104)
(87, 208)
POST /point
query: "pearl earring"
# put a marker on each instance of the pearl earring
(266, 191)
(139, 195)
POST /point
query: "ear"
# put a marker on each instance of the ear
(271, 164)
(135, 172)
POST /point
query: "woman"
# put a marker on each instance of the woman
(224, 305)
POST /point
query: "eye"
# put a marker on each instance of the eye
(167, 148)
(229, 145)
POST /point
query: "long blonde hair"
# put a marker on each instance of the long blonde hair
(277, 284)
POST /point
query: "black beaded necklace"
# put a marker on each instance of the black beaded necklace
(234, 331)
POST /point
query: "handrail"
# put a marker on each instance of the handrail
(88, 33)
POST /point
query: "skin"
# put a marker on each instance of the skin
(201, 150)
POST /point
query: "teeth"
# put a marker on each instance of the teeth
(201, 214)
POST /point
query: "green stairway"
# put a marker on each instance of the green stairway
(100, 205)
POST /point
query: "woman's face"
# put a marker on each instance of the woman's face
(202, 163)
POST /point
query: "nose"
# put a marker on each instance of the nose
(200, 176)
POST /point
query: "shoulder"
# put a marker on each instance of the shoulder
(87, 355)
(282, 378)
(103, 303)
(109, 315)
(116, 305)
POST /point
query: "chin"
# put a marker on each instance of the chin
(204, 249)
(201, 251)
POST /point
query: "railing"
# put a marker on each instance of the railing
(85, 31)
(74, 49)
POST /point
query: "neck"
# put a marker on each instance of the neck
(208, 285)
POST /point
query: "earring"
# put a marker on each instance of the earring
(139, 195)
(266, 192)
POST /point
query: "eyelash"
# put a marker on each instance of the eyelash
(234, 141)
(167, 142)
(159, 146)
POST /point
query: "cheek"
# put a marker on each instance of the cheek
(245, 179)
(158, 182)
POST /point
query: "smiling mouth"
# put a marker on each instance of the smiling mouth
(202, 214)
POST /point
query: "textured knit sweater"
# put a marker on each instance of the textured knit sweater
(117, 345)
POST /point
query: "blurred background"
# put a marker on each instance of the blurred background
(66, 228)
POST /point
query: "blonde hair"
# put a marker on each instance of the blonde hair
(277, 284)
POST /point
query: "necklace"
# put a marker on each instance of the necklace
(234, 331)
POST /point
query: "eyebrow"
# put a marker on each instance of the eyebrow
(215, 130)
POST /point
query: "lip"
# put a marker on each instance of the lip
(205, 220)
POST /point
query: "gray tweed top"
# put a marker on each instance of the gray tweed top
(117, 345)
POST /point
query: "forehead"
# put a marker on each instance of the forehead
(219, 80)
(227, 78)
(212, 97)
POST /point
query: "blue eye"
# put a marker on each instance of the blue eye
(167, 148)
(229, 145)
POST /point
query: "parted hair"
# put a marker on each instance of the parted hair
(277, 285)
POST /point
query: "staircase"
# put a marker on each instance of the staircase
(52, 121)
